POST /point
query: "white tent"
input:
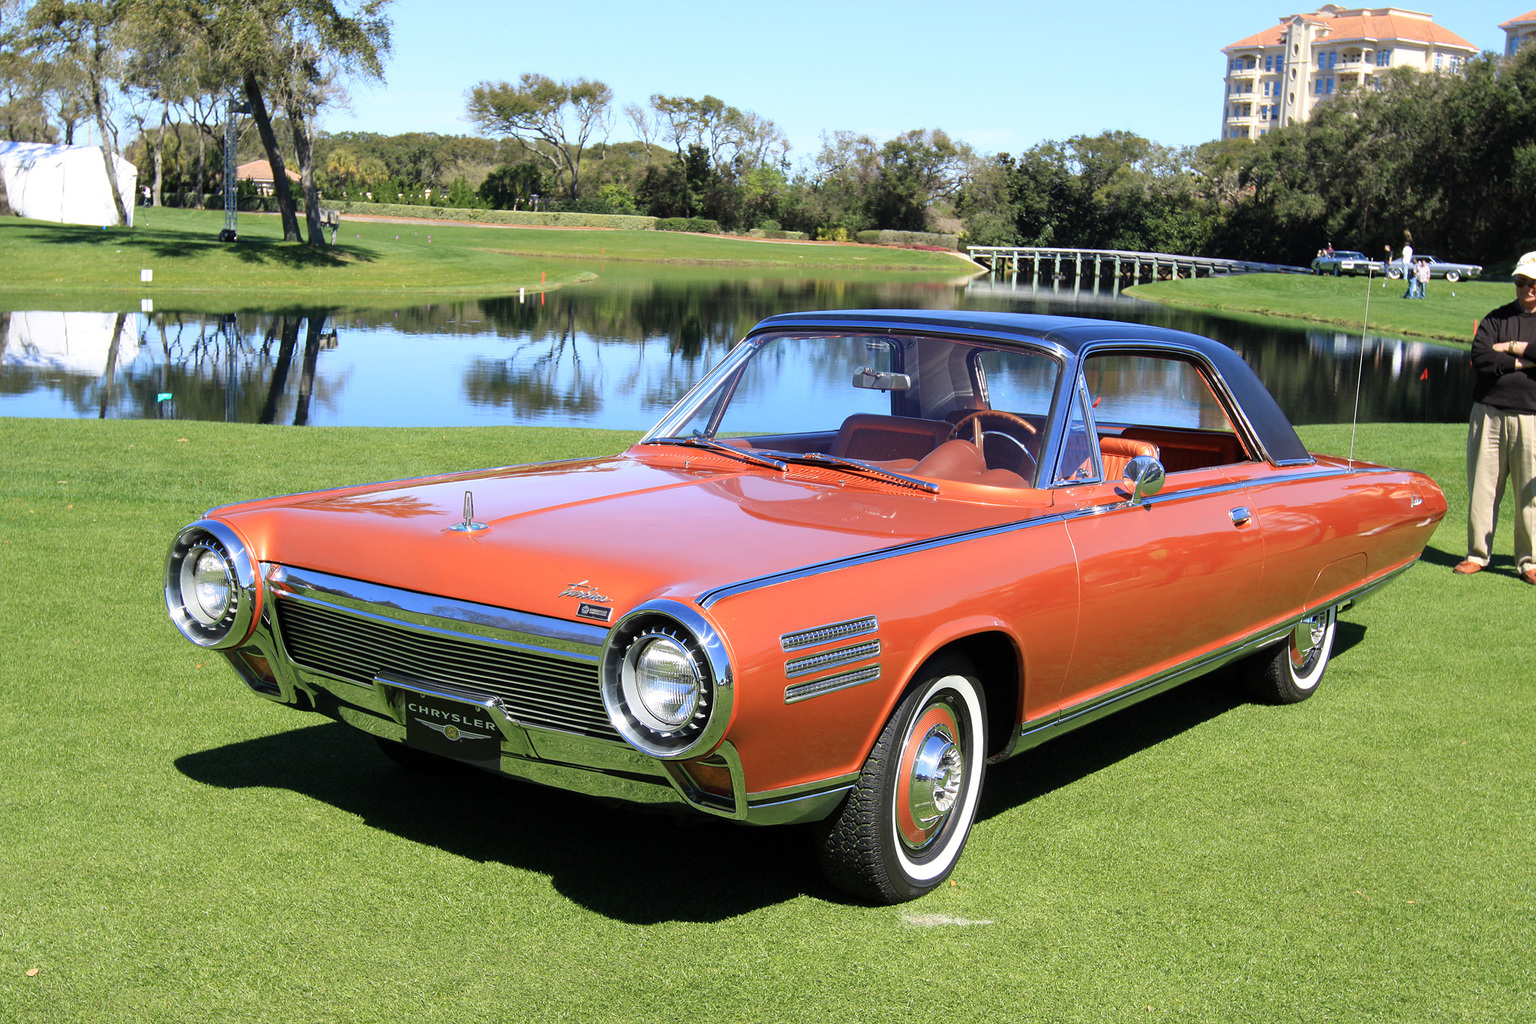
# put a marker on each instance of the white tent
(68, 342)
(67, 184)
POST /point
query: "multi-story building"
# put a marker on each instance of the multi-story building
(1518, 32)
(1278, 76)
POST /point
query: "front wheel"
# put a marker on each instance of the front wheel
(1290, 672)
(900, 830)
(1452, 276)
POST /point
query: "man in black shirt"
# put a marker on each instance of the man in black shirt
(1501, 436)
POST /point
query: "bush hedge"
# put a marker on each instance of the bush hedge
(909, 238)
(525, 218)
(792, 236)
(698, 225)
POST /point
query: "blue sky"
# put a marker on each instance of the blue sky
(1001, 76)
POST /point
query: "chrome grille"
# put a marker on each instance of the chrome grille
(535, 688)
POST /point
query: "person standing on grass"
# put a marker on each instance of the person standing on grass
(1421, 275)
(1408, 264)
(1501, 433)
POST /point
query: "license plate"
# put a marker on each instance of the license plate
(450, 728)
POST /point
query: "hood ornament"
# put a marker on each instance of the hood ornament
(468, 525)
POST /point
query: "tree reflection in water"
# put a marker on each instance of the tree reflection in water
(613, 353)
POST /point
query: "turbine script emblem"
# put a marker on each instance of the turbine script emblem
(468, 525)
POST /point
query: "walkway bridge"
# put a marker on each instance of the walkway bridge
(1117, 264)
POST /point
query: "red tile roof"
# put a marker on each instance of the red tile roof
(1365, 27)
(1524, 19)
(260, 170)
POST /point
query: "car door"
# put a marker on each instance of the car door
(1166, 581)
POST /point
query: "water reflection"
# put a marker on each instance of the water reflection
(613, 353)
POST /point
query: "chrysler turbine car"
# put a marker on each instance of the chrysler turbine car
(865, 560)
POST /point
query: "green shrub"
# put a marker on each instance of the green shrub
(910, 238)
(793, 236)
(698, 225)
(523, 217)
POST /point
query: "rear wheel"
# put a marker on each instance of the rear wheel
(900, 831)
(1290, 672)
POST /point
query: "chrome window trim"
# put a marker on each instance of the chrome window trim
(577, 641)
(1213, 376)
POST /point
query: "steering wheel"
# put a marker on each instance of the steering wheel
(977, 434)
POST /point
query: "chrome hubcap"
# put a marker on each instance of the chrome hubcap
(932, 780)
(1306, 640)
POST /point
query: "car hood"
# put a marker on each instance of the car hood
(616, 531)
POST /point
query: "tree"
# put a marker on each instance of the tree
(78, 38)
(507, 187)
(296, 51)
(560, 115)
(23, 82)
(914, 169)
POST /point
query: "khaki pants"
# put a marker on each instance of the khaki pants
(1500, 446)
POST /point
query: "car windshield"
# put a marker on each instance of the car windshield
(883, 399)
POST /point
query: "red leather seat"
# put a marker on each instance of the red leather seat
(1117, 452)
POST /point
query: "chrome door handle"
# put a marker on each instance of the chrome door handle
(1241, 516)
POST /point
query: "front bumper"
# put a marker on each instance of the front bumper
(357, 651)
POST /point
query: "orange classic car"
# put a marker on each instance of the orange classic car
(871, 555)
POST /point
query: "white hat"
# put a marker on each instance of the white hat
(1527, 266)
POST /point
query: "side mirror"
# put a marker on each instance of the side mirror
(1145, 475)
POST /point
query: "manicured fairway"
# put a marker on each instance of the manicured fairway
(175, 849)
(1448, 312)
(60, 266)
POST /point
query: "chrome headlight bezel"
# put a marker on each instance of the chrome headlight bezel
(229, 624)
(652, 716)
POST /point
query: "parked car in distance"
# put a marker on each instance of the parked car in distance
(869, 557)
(1343, 262)
(1437, 268)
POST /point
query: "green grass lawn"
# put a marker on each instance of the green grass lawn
(175, 849)
(1449, 312)
(60, 266)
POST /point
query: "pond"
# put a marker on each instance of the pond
(613, 353)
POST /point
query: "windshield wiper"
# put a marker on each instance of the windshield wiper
(860, 466)
(710, 444)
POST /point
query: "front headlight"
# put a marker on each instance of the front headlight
(663, 683)
(666, 681)
(211, 590)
